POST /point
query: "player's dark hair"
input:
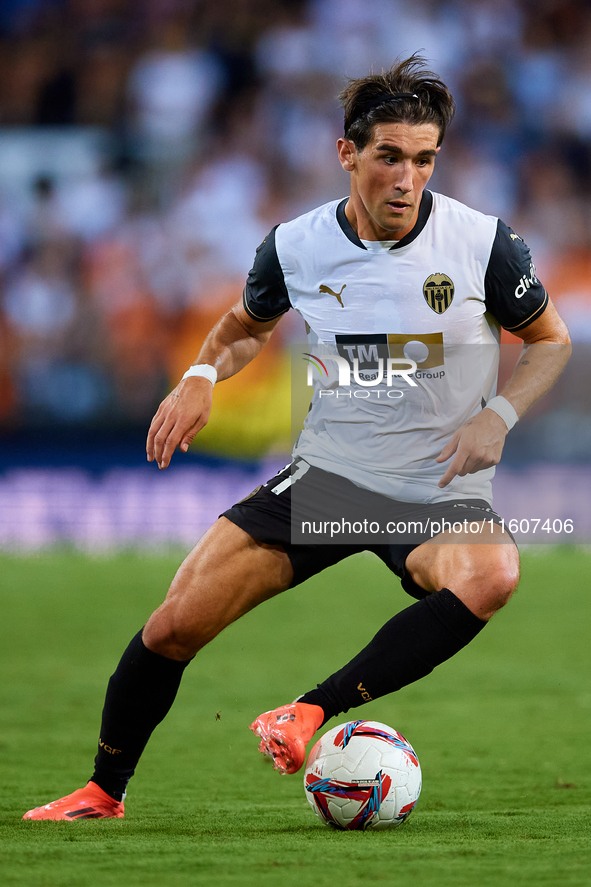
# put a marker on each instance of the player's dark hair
(407, 93)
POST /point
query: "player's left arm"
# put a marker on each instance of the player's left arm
(527, 311)
(479, 443)
(547, 348)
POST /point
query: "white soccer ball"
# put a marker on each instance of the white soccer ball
(362, 775)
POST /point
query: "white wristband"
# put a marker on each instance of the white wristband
(501, 406)
(202, 369)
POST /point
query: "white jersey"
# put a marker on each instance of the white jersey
(435, 300)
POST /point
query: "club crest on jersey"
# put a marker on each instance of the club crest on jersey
(438, 290)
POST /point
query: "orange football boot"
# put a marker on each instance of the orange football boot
(285, 732)
(90, 802)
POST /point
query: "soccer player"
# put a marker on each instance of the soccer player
(392, 271)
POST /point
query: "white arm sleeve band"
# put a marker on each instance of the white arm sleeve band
(202, 369)
(501, 406)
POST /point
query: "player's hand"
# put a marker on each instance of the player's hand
(476, 445)
(180, 417)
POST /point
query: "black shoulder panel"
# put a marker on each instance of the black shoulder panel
(265, 295)
(513, 293)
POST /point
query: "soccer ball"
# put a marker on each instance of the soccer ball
(362, 775)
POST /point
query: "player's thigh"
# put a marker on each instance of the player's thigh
(226, 574)
(483, 576)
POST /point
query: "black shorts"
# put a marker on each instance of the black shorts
(267, 514)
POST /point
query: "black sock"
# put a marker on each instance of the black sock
(407, 648)
(139, 695)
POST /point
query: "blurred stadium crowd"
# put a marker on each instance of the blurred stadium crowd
(147, 147)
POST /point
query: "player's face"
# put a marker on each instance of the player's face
(388, 178)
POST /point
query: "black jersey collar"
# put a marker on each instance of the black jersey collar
(424, 213)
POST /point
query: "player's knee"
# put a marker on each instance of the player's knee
(168, 634)
(502, 584)
(486, 583)
(500, 580)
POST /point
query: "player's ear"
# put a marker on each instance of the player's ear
(347, 154)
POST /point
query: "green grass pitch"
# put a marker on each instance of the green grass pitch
(502, 732)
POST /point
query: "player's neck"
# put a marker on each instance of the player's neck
(367, 228)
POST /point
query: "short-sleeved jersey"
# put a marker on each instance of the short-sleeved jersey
(437, 297)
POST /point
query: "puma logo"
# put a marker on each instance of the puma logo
(516, 237)
(327, 289)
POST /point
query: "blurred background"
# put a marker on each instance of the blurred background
(148, 146)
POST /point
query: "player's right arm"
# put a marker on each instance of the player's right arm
(234, 341)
